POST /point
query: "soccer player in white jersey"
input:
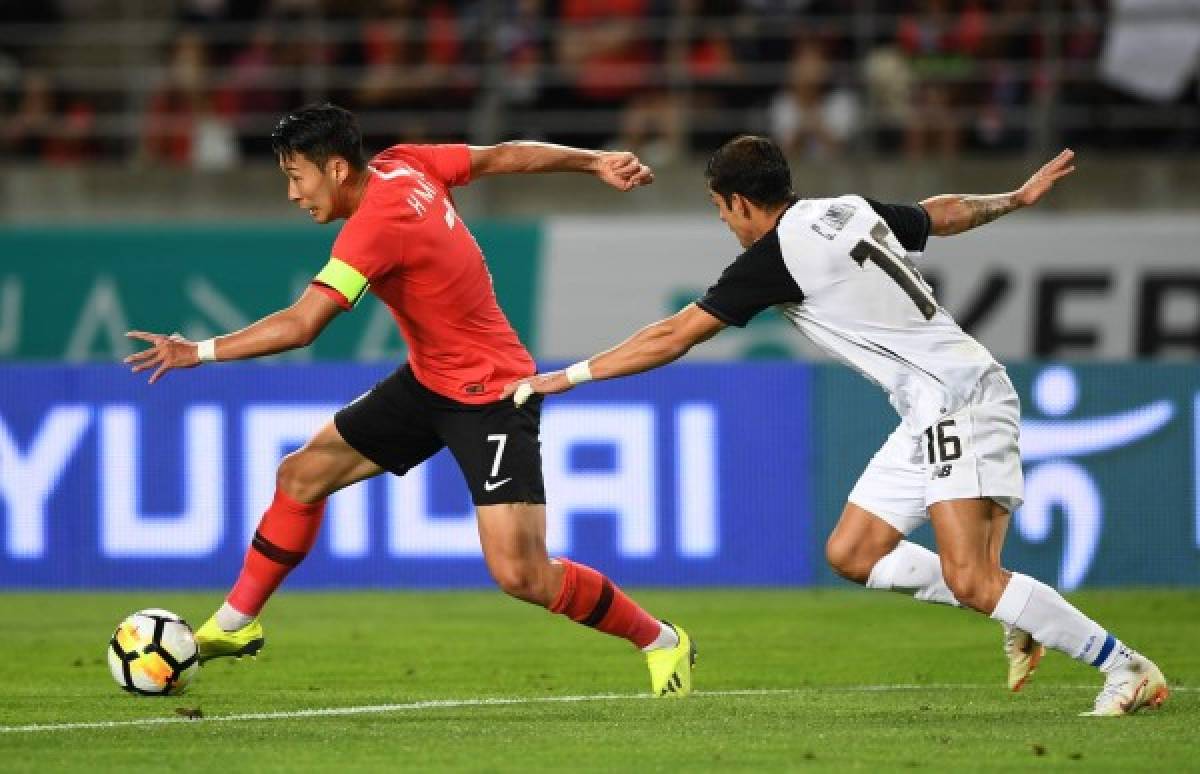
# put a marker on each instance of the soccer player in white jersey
(840, 270)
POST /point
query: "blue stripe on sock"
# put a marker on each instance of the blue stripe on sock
(1110, 642)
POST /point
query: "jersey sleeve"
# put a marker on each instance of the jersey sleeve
(756, 280)
(449, 163)
(362, 253)
(909, 222)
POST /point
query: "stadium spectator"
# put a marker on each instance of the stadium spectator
(523, 34)
(213, 19)
(1010, 75)
(48, 124)
(268, 75)
(764, 33)
(658, 75)
(38, 121)
(713, 74)
(888, 83)
(940, 42)
(411, 50)
(606, 62)
(1079, 46)
(652, 121)
(812, 115)
(184, 125)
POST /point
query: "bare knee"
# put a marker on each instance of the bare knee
(847, 558)
(979, 588)
(523, 580)
(962, 582)
(301, 478)
(858, 542)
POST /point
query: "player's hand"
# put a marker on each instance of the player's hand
(1045, 178)
(623, 170)
(164, 354)
(540, 384)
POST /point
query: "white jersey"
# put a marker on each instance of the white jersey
(840, 270)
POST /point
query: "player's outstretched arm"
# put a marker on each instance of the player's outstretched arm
(655, 345)
(955, 213)
(620, 169)
(291, 328)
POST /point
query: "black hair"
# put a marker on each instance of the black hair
(753, 167)
(319, 132)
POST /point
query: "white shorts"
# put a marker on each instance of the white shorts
(969, 454)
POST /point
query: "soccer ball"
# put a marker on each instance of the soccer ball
(153, 653)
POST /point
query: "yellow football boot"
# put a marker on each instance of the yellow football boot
(671, 668)
(214, 642)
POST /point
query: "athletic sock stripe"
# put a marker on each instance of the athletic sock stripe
(274, 552)
(1109, 643)
(602, 605)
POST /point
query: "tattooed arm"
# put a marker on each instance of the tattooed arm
(955, 213)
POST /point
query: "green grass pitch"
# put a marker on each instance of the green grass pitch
(787, 680)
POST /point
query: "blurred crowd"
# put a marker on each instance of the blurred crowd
(201, 84)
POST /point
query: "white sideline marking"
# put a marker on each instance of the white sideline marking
(377, 709)
(370, 709)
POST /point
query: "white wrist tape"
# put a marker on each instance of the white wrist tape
(579, 373)
(207, 350)
(523, 393)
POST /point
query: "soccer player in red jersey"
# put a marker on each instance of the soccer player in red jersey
(404, 241)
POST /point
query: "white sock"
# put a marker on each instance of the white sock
(667, 638)
(912, 569)
(230, 619)
(1033, 606)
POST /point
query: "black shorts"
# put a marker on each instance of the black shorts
(400, 423)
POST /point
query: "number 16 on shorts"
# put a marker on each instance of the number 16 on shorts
(941, 445)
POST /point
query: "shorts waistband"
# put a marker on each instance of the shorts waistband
(405, 374)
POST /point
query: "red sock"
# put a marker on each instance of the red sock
(589, 598)
(284, 537)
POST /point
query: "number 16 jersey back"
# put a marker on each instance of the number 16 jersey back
(840, 270)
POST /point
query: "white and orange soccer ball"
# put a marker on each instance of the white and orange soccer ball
(153, 653)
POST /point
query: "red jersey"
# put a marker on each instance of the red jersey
(407, 244)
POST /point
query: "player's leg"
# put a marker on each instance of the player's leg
(385, 429)
(962, 528)
(888, 502)
(289, 527)
(513, 537)
(866, 549)
(498, 450)
(285, 534)
(997, 532)
(859, 540)
(1022, 652)
(973, 454)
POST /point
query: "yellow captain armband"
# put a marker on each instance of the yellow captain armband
(345, 279)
